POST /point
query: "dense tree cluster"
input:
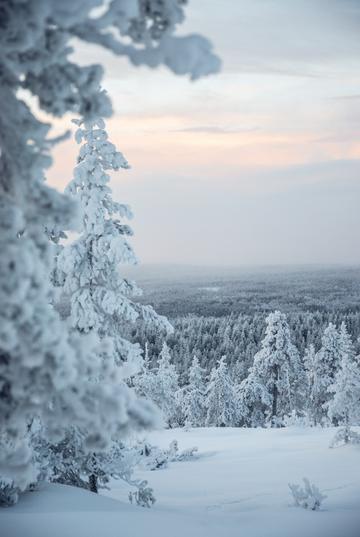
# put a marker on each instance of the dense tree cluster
(320, 386)
(238, 337)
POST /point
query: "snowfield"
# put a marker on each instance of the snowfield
(238, 487)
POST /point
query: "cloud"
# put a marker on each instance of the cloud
(261, 163)
(216, 129)
(353, 97)
(294, 214)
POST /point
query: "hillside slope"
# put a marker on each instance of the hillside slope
(237, 487)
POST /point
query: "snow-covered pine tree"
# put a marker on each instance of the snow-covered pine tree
(221, 401)
(254, 400)
(39, 363)
(194, 396)
(278, 368)
(344, 406)
(143, 381)
(164, 387)
(345, 343)
(327, 363)
(312, 395)
(100, 299)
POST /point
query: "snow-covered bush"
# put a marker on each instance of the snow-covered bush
(297, 420)
(307, 497)
(143, 496)
(344, 436)
(155, 458)
(9, 492)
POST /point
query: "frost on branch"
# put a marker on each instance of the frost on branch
(307, 497)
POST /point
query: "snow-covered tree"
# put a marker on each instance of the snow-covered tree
(41, 367)
(254, 400)
(89, 269)
(326, 364)
(278, 369)
(143, 381)
(194, 396)
(164, 387)
(345, 343)
(313, 386)
(69, 462)
(101, 299)
(344, 406)
(221, 401)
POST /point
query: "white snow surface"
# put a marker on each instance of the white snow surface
(237, 488)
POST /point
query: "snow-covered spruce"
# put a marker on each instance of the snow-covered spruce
(194, 396)
(221, 401)
(100, 301)
(161, 385)
(254, 400)
(312, 385)
(344, 406)
(323, 369)
(100, 298)
(276, 380)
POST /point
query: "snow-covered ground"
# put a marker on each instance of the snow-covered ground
(237, 488)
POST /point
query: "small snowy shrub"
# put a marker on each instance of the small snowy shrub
(174, 455)
(296, 420)
(155, 458)
(308, 497)
(345, 436)
(9, 493)
(143, 496)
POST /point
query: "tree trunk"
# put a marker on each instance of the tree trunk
(93, 487)
(274, 397)
(347, 431)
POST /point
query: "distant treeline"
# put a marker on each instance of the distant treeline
(238, 337)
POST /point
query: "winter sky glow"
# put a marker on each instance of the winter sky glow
(259, 164)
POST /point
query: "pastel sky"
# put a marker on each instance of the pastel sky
(257, 165)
